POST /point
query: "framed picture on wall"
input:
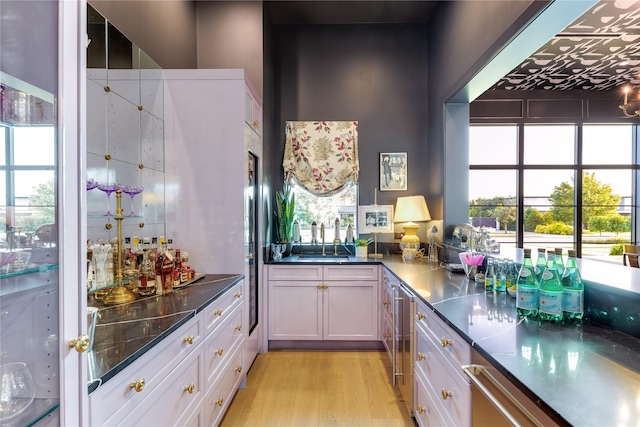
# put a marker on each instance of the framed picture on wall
(393, 171)
(375, 219)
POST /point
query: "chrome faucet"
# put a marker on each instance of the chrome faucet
(322, 237)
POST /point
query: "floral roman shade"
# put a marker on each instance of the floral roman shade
(321, 156)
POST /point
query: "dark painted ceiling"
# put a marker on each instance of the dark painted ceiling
(598, 51)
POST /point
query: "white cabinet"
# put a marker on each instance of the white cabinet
(188, 378)
(443, 393)
(323, 302)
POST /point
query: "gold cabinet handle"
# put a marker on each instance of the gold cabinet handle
(238, 328)
(237, 294)
(445, 394)
(219, 351)
(421, 316)
(386, 303)
(421, 410)
(385, 336)
(421, 357)
(445, 342)
(220, 402)
(238, 369)
(189, 388)
(320, 286)
(256, 123)
(137, 385)
(218, 312)
(81, 344)
(188, 339)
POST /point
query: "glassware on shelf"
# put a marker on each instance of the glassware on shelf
(132, 191)
(108, 189)
(91, 184)
(17, 391)
(100, 255)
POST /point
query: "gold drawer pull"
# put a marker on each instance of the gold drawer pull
(220, 402)
(189, 388)
(237, 294)
(385, 336)
(445, 342)
(386, 303)
(219, 351)
(238, 369)
(256, 123)
(218, 312)
(81, 344)
(421, 410)
(238, 328)
(137, 385)
(188, 339)
(421, 357)
(421, 316)
(445, 394)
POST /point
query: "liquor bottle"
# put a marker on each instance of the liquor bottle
(541, 263)
(490, 276)
(501, 276)
(573, 289)
(159, 279)
(147, 281)
(167, 274)
(551, 291)
(177, 269)
(559, 262)
(527, 288)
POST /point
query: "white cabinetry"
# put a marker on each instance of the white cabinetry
(323, 302)
(187, 379)
(443, 393)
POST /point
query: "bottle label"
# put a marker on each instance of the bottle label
(527, 298)
(551, 302)
(547, 275)
(573, 300)
(525, 272)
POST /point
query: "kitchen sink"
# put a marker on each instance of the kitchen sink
(333, 258)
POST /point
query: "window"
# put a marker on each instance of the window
(310, 208)
(572, 188)
(27, 181)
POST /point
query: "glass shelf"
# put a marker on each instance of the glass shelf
(38, 409)
(113, 216)
(31, 268)
(111, 285)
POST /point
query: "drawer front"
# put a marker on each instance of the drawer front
(222, 391)
(216, 312)
(178, 393)
(220, 344)
(448, 386)
(387, 301)
(426, 410)
(351, 272)
(117, 397)
(387, 335)
(456, 350)
(295, 272)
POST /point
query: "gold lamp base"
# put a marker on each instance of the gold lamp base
(119, 294)
(410, 238)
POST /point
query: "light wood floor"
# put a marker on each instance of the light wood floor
(318, 388)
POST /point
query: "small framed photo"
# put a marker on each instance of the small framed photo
(393, 171)
(375, 219)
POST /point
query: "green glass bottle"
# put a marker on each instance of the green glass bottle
(541, 263)
(490, 276)
(573, 289)
(501, 276)
(527, 288)
(550, 307)
(559, 262)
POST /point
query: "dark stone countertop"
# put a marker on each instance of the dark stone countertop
(126, 331)
(581, 374)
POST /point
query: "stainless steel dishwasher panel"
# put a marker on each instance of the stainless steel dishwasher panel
(402, 353)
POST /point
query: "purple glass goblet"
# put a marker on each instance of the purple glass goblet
(132, 191)
(91, 184)
(108, 188)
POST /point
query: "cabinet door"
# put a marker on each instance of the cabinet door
(350, 311)
(295, 310)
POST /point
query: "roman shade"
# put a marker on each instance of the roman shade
(321, 156)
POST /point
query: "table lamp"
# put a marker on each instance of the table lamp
(409, 210)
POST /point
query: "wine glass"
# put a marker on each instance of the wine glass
(108, 188)
(132, 191)
(91, 184)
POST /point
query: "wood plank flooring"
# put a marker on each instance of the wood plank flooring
(318, 388)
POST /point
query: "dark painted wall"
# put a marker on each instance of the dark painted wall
(375, 74)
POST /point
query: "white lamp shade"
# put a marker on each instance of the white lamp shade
(411, 209)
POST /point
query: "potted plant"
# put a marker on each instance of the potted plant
(361, 248)
(284, 213)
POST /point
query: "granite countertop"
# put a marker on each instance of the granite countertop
(126, 331)
(588, 375)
